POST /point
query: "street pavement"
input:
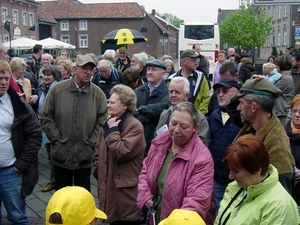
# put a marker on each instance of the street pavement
(37, 201)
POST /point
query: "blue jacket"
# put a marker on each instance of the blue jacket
(221, 137)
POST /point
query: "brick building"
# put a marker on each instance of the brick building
(84, 25)
(22, 15)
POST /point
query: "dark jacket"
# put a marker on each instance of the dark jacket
(149, 108)
(221, 137)
(26, 137)
(246, 72)
(107, 84)
(120, 66)
(119, 157)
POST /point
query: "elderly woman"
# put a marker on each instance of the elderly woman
(65, 67)
(170, 68)
(118, 158)
(52, 76)
(292, 128)
(19, 83)
(179, 167)
(247, 69)
(271, 72)
(286, 84)
(255, 196)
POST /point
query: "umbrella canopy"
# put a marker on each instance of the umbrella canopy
(21, 43)
(50, 43)
(124, 36)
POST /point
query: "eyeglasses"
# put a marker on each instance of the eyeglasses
(295, 111)
(224, 91)
(86, 68)
(104, 71)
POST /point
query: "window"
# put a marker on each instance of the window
(274, 12)
(31, 19)
(15, 17)
(5, 38)
(65, 38)
(24, 18)
(83, 25)
(279, 12)
(4, 15)
(83, 41)
(284, 36)
(298, 12)
(64, 25)
(278, 37)
(285, 11)
(269, 11)
(199, 32)
(273, 38)
(144, 30)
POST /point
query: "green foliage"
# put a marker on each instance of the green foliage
(174, 20)
(248, 26)
(274, 51)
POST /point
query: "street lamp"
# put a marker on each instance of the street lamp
(7, 27)
(75, 28)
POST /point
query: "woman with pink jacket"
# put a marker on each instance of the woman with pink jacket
(179, 168)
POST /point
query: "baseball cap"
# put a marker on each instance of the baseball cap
(157, 63)
(227, 83)
(259, 86)
(189, 53)
(183, 217)
(75, 204)
(84, 59)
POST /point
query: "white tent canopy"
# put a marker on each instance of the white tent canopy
(50, 43)
(21, 43)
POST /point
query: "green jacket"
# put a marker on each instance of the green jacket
(71, 120)
(267, 203)
(277, 142)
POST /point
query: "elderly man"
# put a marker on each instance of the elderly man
(256, 99)
(123, 62)
(230, 52)
(20, 141)
(152, 99)
(179, 91)
(223, 131)
(3, 53)
(71, 117)
(107, 77)
(46, 60)
(138, 62)
(199, 88)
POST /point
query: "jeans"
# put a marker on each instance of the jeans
(65, 177)
(11, 196)
(219, 192)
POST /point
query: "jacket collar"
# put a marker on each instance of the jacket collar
(19, 106)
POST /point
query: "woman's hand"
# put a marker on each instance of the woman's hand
(113, 122)
(149, 203)
(33, 99)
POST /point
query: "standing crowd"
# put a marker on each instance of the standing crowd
(161, 144)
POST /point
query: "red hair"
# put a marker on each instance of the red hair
(249, 153)
(295, 100)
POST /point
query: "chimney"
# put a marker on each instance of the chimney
(153, 12)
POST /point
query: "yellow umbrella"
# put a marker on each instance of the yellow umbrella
(124, 36)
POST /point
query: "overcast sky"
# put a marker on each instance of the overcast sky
(188, 10)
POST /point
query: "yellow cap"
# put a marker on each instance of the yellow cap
(183, 217)
(75, 204)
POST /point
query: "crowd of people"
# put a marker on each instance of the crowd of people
(160, 143)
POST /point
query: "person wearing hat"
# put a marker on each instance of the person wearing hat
(71, 117)
(183, 217)
(223, 131)
(256, 102)
(73, 205)
(199, 87)
(123, 62)
(152, 99)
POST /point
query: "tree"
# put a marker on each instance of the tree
(274, 51)
(174, 20)
(248, 26)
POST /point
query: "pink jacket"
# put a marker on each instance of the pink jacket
(189, 180)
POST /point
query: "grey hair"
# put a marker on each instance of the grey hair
(190, 109)
(266, 102)
(47, 54)
(186, 87)
(126, 95)
(269, 65)
(141, 57)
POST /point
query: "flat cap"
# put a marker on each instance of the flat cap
(189, 53)
(259, 86)
(227, 83)
(157, 63)
(84, 59)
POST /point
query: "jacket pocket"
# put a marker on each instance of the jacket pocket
(126, 182)
(59, 151)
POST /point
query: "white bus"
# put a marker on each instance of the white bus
(203, 33)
